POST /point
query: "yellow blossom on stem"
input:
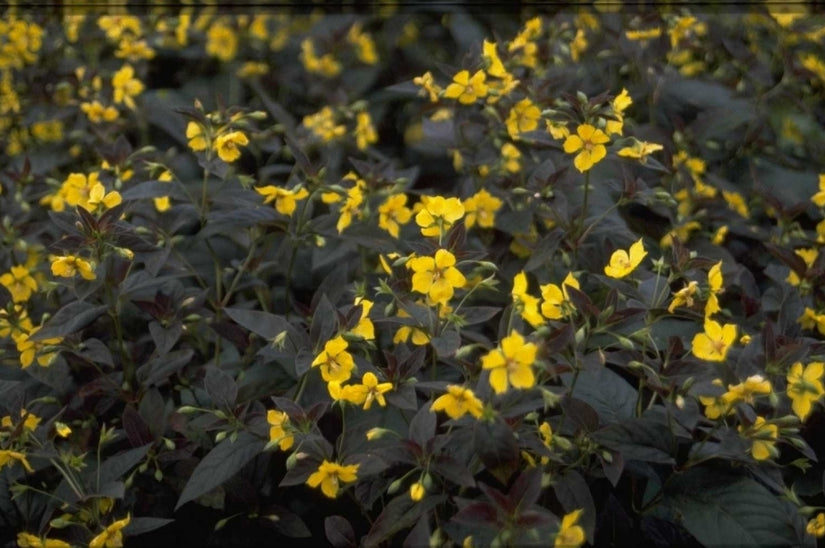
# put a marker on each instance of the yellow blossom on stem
(330, 476)
(285, 200)
(30, 349)
(619, 105)
(810, 319)
(365, 133)
(222, 42)
(438, 215)
(571, 534)
(511, 364)
(364, 328)
(714, 343)
(639, 150)
(68, 266)
(555, 300)
(428, 86)
(393, 214)
(27, 540)
(808, 255)
(30, 421)
(126, 86)
(8, 457)
(588, 145)
(525, 304)
(415, 334)
(805, 387)
(816, 526)
(436, 277)
(97, 113)
(467, 89)
(19, 282)
(335, 362)
(489, 53)
(457, 402)
(763, 436)
(624, 262)
(112, 536)
(715, 286)
(747, 390)
(322, 124)
(510, 155)
(226, 145)
(481, 208)
(197, 135)
(683, 297)
(523, 117)
(278, 421)
(368, 391)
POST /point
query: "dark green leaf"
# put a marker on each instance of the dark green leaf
(721, 509)
(69, 319)
(422, 426)
(447, 343)
(141, 525)
(339, 532)
(158, 370)
(642, 439)
(606, 392)
(221, 387)
(400, 513)
(220, 464)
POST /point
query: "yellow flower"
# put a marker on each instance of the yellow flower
(624, 262)
(365, 133)
(556, 129)
(457, 402)
(467, 89)
(428, 86)
(364, 45)
(570, 535)
(643, 35)
(335, 362)
(394, 213)
(227, 145)
(99, 197)
(746, 391)
(717, 406)
(816, 526)
(198, 138)
(511, 363)
(221, 42)
(639, 150)
(737, 203)
(285, 200)
(619, 105)
(368, 391)
(810, 320)
(713, 344)
(7, 457)
(30, 421)
(589, 143)
(364, 328)
(490, 55)
(352, 205)
(683, 297)
(68, 266)
(322, 124)
(525, 304)
(510, 156)
(62, 429)
(126, 86)
(20, 283)
(764, 438)
(278, 420)
(556, 302)
(29, 349)
(326, 65)
(805, 387)
(438, 215)
(112, 536)
(523, 117)
(720, 235)
(481, 208)
(437, 277)
(808, 255)
(330, 475)
(27, 540)
(98, 113)
(715, 287)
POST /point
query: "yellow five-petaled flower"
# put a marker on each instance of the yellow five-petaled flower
(715, 342)
(457, 402)
(335, 362)
(624, 262)
(467, 89)
(805, 387)
(511, 364)
(330, 475)
(437, 277)
(588, 142)
(226, 145)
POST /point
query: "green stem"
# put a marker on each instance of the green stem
(583, 217)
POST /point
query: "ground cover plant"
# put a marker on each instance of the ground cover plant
(415, 276)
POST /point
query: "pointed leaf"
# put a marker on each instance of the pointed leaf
(220, 464)
(69, 319)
